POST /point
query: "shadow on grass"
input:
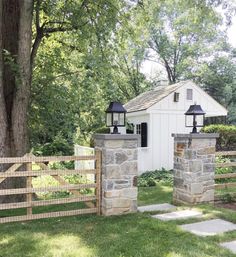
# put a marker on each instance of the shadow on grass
(93, 236)
(133, 235)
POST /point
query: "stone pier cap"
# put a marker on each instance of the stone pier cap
(117, 136)
(196, 135)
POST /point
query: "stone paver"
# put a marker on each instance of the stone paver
(230, 245)
(157, 207)
(177, 215)
(209, 227)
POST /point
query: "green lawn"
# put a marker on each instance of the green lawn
(158, 194)
(121, 236)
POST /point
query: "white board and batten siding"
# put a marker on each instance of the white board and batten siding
(144, 153)
(166, 117)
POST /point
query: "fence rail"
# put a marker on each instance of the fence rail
(226, 175)
(92, 201)
(30, 158)
(226, 153)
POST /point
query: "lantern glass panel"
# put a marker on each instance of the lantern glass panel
(189, 120)
(122, 119)
(199, 120)
(109, 119)
(116, 118)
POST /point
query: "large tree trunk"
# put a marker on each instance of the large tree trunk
(15, 81)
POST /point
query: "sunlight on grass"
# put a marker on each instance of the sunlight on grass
(167, 189)
(6, 240)
(68, 245)
(43, 244)
(35, 167)
(173, 254)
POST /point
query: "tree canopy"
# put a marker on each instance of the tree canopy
(85, 53)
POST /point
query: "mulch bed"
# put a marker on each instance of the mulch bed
(231, 206)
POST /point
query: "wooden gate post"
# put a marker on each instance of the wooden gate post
(98, 156)
(119, 172)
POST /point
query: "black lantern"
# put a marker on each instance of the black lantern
(194, 117)
(115, 116)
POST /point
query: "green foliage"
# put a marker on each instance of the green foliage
(92, 52)
(151, 178)
(146, 182)
(218, 78)
(227, 139)
(81, 67)
(223, 170)
(182, 34)
(58, 146)
(61, 165)
(49, 181)
(226, 198)
(102, 130)
(225, 195)
(10, 60)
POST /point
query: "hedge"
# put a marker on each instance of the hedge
(227, 139)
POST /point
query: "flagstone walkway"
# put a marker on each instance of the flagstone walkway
(157, 207)
(204, 228)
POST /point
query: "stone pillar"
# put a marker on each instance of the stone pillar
(194, 168)
(119, 172)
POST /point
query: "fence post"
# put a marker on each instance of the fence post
(194, 168)
(119, 172)
(98, 180)
(29, 185)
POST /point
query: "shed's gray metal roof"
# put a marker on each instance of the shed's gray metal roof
(149, 98)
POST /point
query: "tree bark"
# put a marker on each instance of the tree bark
(15, 81)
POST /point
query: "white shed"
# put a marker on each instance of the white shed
(158, 113)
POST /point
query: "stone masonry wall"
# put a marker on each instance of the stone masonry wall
(194, 168)
(119, 172)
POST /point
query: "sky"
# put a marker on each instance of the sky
(150, 69)
(232, 33)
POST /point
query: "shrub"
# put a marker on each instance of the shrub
(146, 182)
(102, 130)
(59, 146)
(151, 178)
(227, 139)
(227, 198)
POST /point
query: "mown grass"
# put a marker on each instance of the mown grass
(136, 235)
(155, 194)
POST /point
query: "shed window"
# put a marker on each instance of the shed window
(142, 129)
(189, 94)
(138, 129)
(176, 97)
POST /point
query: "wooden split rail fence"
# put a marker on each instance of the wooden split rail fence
(226, 165)
(92, 201)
